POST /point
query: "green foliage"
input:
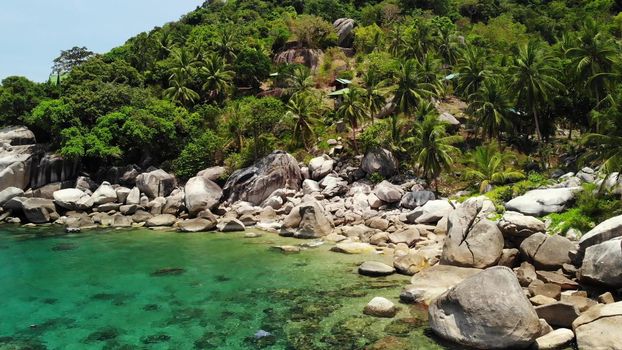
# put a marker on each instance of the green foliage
(251, 67)
(198, 154)
(51, 117)
(490, 166)
(18, 96)
(572, 218)
(376, 135)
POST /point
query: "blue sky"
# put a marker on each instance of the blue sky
(34, 31)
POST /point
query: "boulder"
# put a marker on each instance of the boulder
(448, 119)
(602, 264)
(214, 173)
(599, 327)
(120, 220)
(417, 260)
(254, 184)
(353, 248)
(159, 220)
(73, 199)
(559, 314)
(431, 212)
(309, 220)
(174, 203)
(15, 167)
(428, 284)
(486, 311)
(319, 167)
(10, 193)
(380, 307)
(201, 194)
(515, 225)
(408, 236)
(133, 197)
(105, 193)
(345, 31)
(606, 230)
(122, 193)
(557, 339)
(414, 199)
(230, 225)
(547, 252)
(543, 201)
(379, 161)
(141, 216)
(310, 186)
(333, 185)
(472, 240)
(557, 278)
(197, 225)
(526, 273)
(375, 269)
(388, 192)
(157, 183)
(17, 136)
(39, 210)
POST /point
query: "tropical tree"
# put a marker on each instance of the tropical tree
(180, 91)
(376, 90)
(488, 165)
(300, 81)
(410, 87)
(533, 78)
(448, 47)
(490, 106)
(225, 44)
(302, 111)
(432, 147)
(352, 109)
(218, 77)
(184, 63)
(593, 60)
(472, 70)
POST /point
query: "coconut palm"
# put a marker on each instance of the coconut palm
(301, 110)
(184, 63)
(300, 81)
(472, 70)
(489, 166)
(533, 78)
(593, 60)
(410, 87)
(375, 92)
(218, 77)
(352, 109)
(396, 41)
(490, 106)
(448, 47)
(224, 44)
(432, 147)
(180, 91)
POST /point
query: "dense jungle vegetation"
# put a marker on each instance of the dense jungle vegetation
(537, 84)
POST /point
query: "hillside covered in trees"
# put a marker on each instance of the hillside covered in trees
(231, 81)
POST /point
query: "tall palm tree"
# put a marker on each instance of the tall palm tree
(300, 81)
(218, 77)
(225, 44)
(604, 148)
(352, 108)
(448, 47)
(184, 63)
(376, 90)
(301, 110)
(432, 147)
(472, 69)
(179, 91)
(410, 87)
(489, 166)
(533, 78)
(490, 106)
(396, 42)
(593, 60)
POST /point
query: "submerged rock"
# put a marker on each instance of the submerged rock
(168, 271)
(380, 307)
(375, 269)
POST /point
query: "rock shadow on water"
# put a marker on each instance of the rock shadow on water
(103, 335)
(155, 338)
(222, 278)
(151, 307)
(47, 326)
(168, 271)
(117, 299)
(185, 316)
(63, 247)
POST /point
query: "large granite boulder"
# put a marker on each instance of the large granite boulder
(486, 311)
(599, 327)
(380, 161)
(278, 170)
(515, 225)
(320, 167)
(157, 183)
(39, 210)
(73, 199)
(104, 194)
(333, 185)
(308, 220)
(606, 230)
(472, 239)
(197, 225)
(414, 199)
(345, 31)
(9, 193)
(602, 264)
(431, 212)
(547, 252)
(17, 136)
(160, 220)
(430, 283)
(15, 166)
(388, 192)
(543, 201)
(215, 173)
(201, 194)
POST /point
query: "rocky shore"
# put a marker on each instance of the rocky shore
(490, 279)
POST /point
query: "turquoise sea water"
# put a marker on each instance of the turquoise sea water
(143, 289)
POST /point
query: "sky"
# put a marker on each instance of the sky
(35, 31)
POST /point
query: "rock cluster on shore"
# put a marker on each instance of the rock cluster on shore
(490, 280)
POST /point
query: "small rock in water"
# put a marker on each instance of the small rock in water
(64, 247)
(73, 229)
(252, 235)
(151, 307)
(287, 248)
(169, 271)
(312, 244)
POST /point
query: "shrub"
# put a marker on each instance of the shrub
(200, 153)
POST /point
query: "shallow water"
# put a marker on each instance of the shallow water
(143, 289)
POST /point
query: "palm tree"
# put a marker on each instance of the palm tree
(224, 44)
(300, 109)
(490, 106)
(448, 47)
(352, 108)
(184, 63)
(472, 69)
(533, 77)
(432, 147)
(396, 41)
(593, 60)
(376, 90)
(605, 149)
(179, 90)
(300, 81)
(218, 77)
(410, 87)
(489, 166)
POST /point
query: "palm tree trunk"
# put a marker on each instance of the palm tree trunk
(537, 123)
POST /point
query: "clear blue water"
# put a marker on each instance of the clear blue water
(143, 289)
